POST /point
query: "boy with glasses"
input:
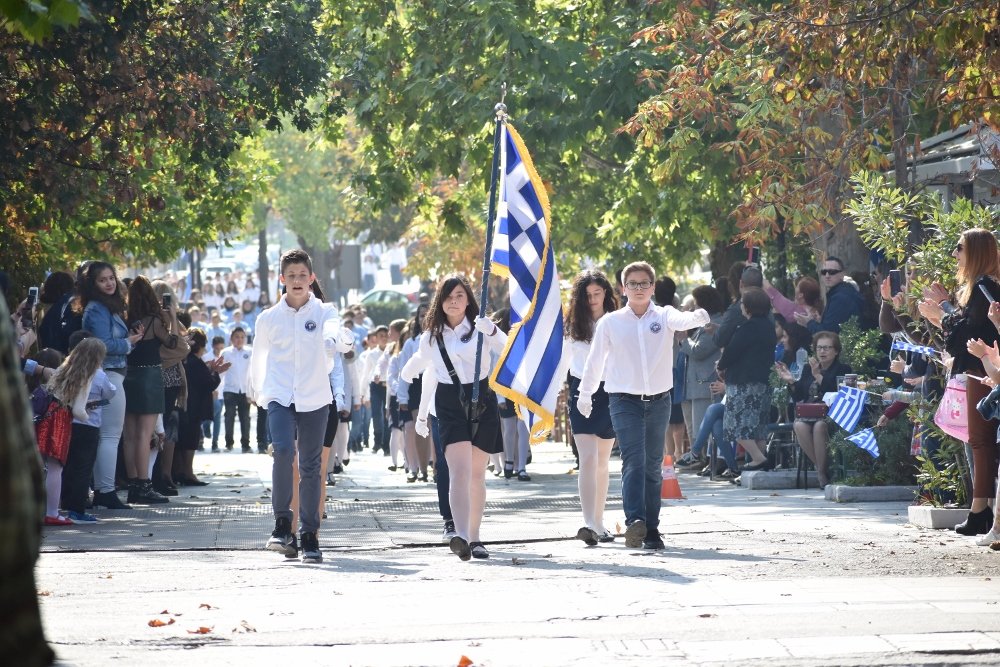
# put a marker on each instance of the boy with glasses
(843, 300)
(637, 340)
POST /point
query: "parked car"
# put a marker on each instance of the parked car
(211, 267)
(386, 304)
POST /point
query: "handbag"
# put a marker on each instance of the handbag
(952, 415)
(471, 416)
(811, 410)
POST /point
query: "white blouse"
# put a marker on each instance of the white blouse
(461, 352)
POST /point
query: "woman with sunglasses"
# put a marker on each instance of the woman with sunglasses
(966, 320)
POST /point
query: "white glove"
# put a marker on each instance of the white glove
(420, 426)
(485, 325)
(585, 405)
(345, 340)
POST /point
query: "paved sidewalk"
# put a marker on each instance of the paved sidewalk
(770, 578)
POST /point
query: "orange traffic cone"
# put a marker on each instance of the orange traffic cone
(671, 488)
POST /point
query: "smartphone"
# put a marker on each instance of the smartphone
(27, 319)
(167, 300)
(986, 293)
(754, 256)
(895, 282)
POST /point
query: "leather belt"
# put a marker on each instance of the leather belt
(645, 398)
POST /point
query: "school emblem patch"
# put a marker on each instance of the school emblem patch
(656, 327)
(310, 326)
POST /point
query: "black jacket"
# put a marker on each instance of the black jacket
(968, 323)
(749, 356)
(201, 383)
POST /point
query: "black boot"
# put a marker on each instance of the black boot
(143, 493)
(977, 523)
(110, 500)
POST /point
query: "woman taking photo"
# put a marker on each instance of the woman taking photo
(819, 378)
(962, 321)
(450, 339)
(144, 393)
(592, 298)
(102, 299)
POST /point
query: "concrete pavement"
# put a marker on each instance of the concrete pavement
(765, 577)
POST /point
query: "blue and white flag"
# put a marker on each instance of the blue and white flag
(847, 407)
(526, 372)
(866, 441)
(906, 346)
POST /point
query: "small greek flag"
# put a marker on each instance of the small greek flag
(866, 441)
(910, 347)
(847, 407)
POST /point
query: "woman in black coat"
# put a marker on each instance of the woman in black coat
(202, 380)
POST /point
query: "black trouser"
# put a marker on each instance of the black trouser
(262, 437)
(237, 403)
(442, 479)
(379, 424)
(79, 466)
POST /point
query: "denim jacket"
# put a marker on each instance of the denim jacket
(111, 329)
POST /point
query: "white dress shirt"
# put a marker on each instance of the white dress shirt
(462, 354)
(575, 354)
(293, 354)
(234, 380)
(641, 350)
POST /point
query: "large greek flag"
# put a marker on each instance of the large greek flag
(847, 407)
(522, 251)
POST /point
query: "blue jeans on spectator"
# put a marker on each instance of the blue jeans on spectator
(441, 477)
(711, 424)
(211, 427)
(641, 426)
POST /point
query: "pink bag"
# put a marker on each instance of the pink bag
(952, 415)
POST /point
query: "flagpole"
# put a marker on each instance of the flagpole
(500, 111)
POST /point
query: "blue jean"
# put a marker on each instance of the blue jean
(711, 424)
(214, 425)
(380, 427)
(357, 428)
(441, 477)
(641, 427)
(290, 428)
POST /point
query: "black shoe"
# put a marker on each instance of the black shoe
(215, 449)
(247, 450)
(281, 539)
(479, 550)
(977, 523)
(460, 548)
(508, 473)
(691, 462)
(635, 533)
(330, 479)
(762, 466)
(589, 537)
(143, 493)
(337, 468)
(229, 448)
(523, 476)
(191, 481)
(110, 500)
(165, 488)
(728, 474)
(423, 477)
(653, 541)
(606, 537)
(411, 478)
(293, 552)
(262, 450)
(310, 549)
(345, 462)
(528, 462)
(392, 468)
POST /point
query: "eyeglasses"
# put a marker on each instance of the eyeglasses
(825, 347)
(645, 284)
(959, 248)
(830, 272)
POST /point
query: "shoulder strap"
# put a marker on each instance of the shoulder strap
(447, 361)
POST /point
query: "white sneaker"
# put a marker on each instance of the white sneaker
(989, 538)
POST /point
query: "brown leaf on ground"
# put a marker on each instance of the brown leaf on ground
(47, 593)
(995, 546)
(205, 605)
(200, 631)
(157, 623)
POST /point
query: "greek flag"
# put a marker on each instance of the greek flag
(866, 441)
(910, 347)
(847, 407)
(522, 251)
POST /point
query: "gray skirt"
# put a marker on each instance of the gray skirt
(748, 409)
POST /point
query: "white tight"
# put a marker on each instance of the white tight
(410, 447)
(53, 486)
(515, 443)
(594, 478)
(340, 442)
(395, 444)
(467, 487)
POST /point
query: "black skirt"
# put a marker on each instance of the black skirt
(599, 421)
(453, 421)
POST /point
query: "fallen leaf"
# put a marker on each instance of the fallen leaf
(200, 631)
(618, 528)
(547, 556)
(105, 577)
(47, 593)
(165, 611)
(246, 627)
(157, 623)
(205, 605)
(465, 662)
(706, 615)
